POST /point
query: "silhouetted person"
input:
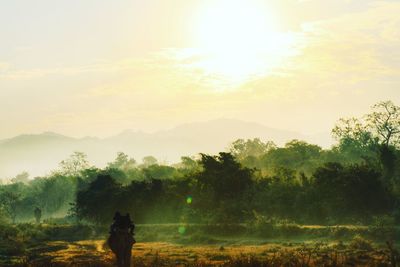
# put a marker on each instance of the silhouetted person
(121, 239)
(38, 214)
(126, 222)
(116, 223)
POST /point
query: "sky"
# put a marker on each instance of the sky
(98, 67)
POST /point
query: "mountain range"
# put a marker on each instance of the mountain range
(39, 154)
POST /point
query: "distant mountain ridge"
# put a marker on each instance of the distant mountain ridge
(38, 154)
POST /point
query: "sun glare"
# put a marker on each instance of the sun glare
(239, 39)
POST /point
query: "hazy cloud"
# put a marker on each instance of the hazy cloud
(84, 82)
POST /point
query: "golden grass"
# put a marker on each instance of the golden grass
(94, 253)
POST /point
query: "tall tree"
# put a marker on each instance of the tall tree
(9, 202)
(75, 164)
(148, 161)
(357, 143)
(354, 131)
(243, 149)
(99, 201)
(385, 122)
(222, 186)
(122, 162)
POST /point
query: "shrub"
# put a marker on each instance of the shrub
(11, 241)
(360, 243)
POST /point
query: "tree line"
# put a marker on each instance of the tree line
(355, 181)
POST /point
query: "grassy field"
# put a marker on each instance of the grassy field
(93, 253)
(205, 245)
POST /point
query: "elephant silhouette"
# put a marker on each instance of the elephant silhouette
(121, 239)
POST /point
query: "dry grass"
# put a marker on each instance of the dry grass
(203, 245)
(94, 253)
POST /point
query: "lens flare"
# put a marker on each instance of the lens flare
(182, 230)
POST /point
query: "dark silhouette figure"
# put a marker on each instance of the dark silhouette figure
(38, 214)
(121, 239)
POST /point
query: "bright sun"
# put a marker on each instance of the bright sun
(239, 39)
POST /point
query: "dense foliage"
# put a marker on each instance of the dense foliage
(356, 181)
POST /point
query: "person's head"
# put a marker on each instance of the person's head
(117, 215)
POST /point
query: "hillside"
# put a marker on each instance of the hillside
(39, 154)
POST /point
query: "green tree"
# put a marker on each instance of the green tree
(354, 191)
(122, 162)
(21, 178)
(296, 155)
(222, 186)
(56, 192)
(381, 127)
(75, 164)
(243, 149)
(9, 202)
(189, 165)
(148, 161)
(160, 172)
(385, 122)
(374, 140)
(99, 200)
